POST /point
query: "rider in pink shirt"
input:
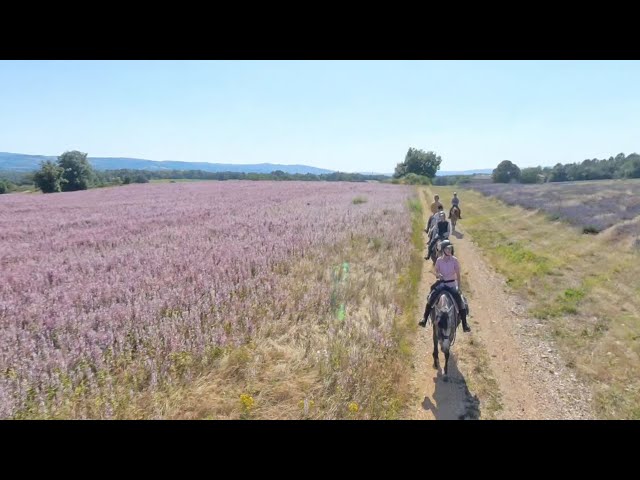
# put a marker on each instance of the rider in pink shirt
(448, 271)
(449, 267)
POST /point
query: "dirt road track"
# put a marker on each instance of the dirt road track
(515, 375)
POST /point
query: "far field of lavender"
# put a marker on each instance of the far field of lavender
(591, 205)
(113, 285)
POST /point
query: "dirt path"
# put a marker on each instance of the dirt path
(501, 369)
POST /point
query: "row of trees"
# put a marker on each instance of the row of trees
(121, 176)
(620, 166)
(72, 171)
(11, 181)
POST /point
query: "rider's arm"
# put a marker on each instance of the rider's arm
(457, 267)
(430, 223)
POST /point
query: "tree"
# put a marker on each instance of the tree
(558, 173)
(531, 175)
(419, 162)
(631, 167)
(141, 178)
(506, 172)
(49, 178)
(78, 172)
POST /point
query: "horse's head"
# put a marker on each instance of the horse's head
(445, 314)
(443, 320)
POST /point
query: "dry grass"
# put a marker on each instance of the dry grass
(585, 291)
(481, 380)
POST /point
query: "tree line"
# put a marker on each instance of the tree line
(619, 167)
(72, 171)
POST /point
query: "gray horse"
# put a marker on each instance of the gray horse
(445, 319)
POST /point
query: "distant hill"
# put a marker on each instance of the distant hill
(24, 163)
(465, 172)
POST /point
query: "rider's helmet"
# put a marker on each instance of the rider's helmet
(446, 243)
(442, 216)
(455, 193)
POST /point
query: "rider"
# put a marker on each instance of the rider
(440, 230)
(448, 270)
(435, 204)
(433, 219)
(455, 202)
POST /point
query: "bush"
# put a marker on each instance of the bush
(49, 178)
(413, 179)
(531, 175)
(590, 230)
(6, 186)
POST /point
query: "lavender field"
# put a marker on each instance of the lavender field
(140, 286)
(592, 205)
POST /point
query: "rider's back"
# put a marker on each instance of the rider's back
(443, 229)
(448, 268)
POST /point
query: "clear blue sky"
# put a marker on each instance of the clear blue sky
(341, 115)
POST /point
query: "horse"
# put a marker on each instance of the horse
(445, 319)
(436, 251)
(454, 216)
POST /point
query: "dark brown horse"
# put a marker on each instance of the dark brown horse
(454, 216)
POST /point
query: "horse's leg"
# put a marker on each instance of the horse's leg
(435, 344)
(446, 361)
